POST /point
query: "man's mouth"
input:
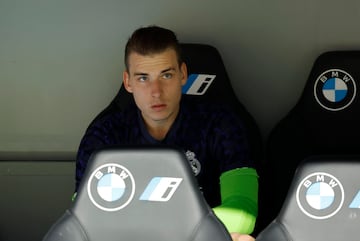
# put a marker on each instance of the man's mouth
(158, 107)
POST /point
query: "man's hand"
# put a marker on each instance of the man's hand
(241, 237)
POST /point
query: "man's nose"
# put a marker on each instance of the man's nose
(156, 88)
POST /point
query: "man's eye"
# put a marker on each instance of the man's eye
(142, 78)
(167, 76)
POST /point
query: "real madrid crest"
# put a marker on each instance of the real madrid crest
(194, 163)
(111, 187)
(335, 89)
(320, 195)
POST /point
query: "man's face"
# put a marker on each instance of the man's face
(155, 82)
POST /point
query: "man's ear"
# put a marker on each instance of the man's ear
(126, 81)
(183, 69)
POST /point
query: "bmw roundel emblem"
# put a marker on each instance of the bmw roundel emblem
(320, 195)
(335, 89)
(111, 187)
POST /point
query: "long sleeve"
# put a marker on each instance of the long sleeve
(239, 200)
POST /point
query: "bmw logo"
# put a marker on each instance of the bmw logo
(111, 187)
(320, 195)
(335, 89)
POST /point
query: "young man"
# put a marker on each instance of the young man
(212, 138)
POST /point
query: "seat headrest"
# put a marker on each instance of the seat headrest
(142, 193)
(332, 84)
(207, 74)
(329, 104)
(323, 202)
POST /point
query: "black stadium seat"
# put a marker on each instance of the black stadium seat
(183, 217)
(323, 202)
(325, 121)
(208, 82)
(133, 193)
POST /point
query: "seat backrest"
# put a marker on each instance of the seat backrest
(208, 81)
(325, 121)
(139, 193)
(323, 202)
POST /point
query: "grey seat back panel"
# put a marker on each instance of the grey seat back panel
(323, 202)
(141, 193)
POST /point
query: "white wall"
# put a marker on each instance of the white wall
(61, 61)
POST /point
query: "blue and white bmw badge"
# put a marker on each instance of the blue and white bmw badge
(111, 187)
(335, 89)
(320, 195)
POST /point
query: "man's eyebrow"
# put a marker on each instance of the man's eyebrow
(168, 69)
(140, 73)
(163, 71)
